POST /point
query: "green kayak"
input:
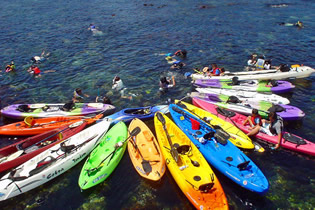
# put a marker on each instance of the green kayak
(105, 157)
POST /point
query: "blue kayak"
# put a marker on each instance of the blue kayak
(220, 152)
(143, 113)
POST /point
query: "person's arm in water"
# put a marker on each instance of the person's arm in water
(173, 80)
(279, 140)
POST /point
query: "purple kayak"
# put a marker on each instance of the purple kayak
(287, 112)
(20, 111)
(250, 85)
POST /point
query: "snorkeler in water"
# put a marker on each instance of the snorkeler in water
(41, 58)
(298, 24)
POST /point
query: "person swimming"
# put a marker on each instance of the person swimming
(118, 85)
(298, 24)
(78, 96)
(165, 84)
(10, 67)
(41, 58)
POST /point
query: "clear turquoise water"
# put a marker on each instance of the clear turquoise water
(134, 35)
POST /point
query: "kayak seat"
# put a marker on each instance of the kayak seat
(24, 108)
(147, 136)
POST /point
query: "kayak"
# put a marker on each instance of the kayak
(238, 137)
(252, 85)
(143, 113)
(20, 111)
(145, 153)
(104, 158)
(52, 162)
(31, 126)
(188, 167)
(297, 72)
(287, 112)
(289, 141)
(19, 152)
(219, 152)
(246, 95)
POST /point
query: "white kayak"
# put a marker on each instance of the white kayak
(52, 162)
(298, 72)
(246, 96)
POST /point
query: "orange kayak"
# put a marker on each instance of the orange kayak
(145, 153)
(31, 126)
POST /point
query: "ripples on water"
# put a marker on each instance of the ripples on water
(133, 38)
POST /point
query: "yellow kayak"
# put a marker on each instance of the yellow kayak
(238, 137)
(145, 153)
(188, 167)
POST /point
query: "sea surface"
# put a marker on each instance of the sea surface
(134, 36)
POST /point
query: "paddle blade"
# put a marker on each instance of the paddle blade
(181, 105)
(146, 166)
(135, 131)
(176, 109)
(160, 118)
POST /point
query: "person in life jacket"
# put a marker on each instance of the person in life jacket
(92, 27)
(10, 67)
(275, 125)
(177, 65)
(181, 53)
(260, 63)
(214, 71)
(254, 121)
(78, 96)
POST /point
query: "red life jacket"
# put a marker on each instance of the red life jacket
(214, 70)
(254, 119)
(36, 71)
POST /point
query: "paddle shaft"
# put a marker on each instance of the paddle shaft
(44, 138)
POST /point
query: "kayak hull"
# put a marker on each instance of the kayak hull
(55, 110)
(42, 125)
(298, 72)
(184, 172)
(35, 145)
(289, 112)
(261, 86)
(246, 95)
(144, 147)
(103, 160)
(52, 162)
(225, 157)
(143, 113)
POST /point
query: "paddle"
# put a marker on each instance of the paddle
(173, 150)
(219, 110)
(145, 163)
(70, 126)
(134, 132)
(220, 132)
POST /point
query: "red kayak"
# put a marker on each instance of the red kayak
(31, 126)
(289, 141)
(15, 154)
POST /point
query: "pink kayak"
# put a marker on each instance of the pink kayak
(289, 141)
